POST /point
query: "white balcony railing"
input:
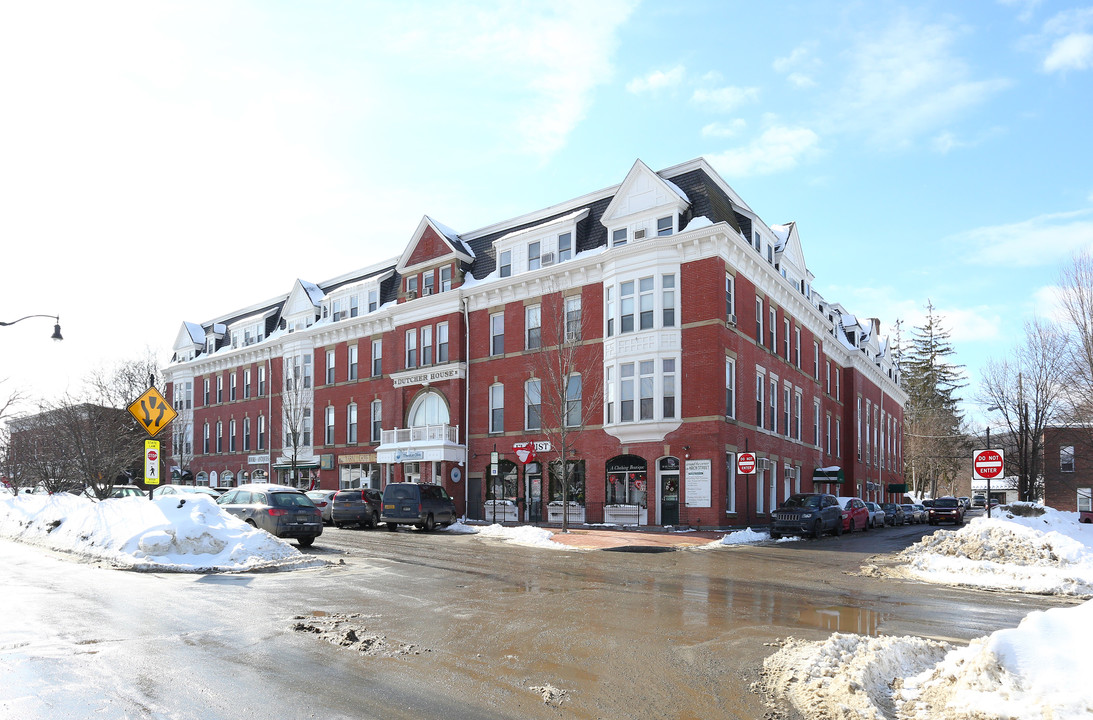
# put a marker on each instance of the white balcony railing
(422, 434)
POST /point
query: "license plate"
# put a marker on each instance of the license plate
(388, 507)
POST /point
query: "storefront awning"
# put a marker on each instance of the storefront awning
(300, 465)
(832, 474)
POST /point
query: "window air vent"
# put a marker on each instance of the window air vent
(732, 319)
(639, 234)
(546, 259)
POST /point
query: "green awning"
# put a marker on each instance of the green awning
(300, 465)
(894, 488)
(828, 475)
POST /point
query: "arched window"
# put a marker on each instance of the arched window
(428, 409)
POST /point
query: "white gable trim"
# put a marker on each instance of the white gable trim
(642, 194)
(426, 222)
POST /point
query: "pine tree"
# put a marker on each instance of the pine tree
(932, 421)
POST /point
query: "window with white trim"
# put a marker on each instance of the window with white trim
(534, 250)
(565, 247)
(411, 348)
(329, 367)
(532, 327)
(618, 237)
(668, 388)
(497, 408)
(373, 300)
(759, 321)
(1066, 458)
(668, 300)
(506, 263)
(730, 387)
(261, 432)
(497, 334)
(533, 405)
(645, 389)
(1085, 499)
(442, 342)
(219, 436)
(205, 439)
(573, 318)
(377, 420)
(645, 303)
(427, 345)
(573, 390)
(352, 353)
(231, 435)
(446, 278)
(730, 298)
(664, 226)
(626, 392)
(328, 437)
(351, 424)
(760, 399)
(377, 357)
(609, 394)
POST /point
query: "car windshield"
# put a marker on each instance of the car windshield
(796, 501)
(289, 499)
(946, 503)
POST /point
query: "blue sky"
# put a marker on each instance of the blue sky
(162, 162)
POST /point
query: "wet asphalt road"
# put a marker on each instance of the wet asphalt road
(461, 627)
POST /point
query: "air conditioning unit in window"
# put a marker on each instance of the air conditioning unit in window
(764, 464)
(426, 291)
(411, 294)
(791, 473)
(639, 234)
(546, 259)
(732, 319)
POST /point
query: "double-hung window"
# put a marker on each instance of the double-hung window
(565, 247)
(246, 434)
(497, 334)
(573, 401)
(668, 299)
(668, 387)
(205, 439)
(618, 237)
(626, 298)
(497, 408)
(506, 263)
(664, 226)
(219, 436)
(533, 405)
(246, 384)
(645, 300)
(427, 345)
(351, 424)
(231, 435)
(534, 252)
(759, 321)
(377, 358)
(411, 348)
(1066, 458)
(646, 386)
(329, 435)
(352, 362)
(533, 327)
(261, 432)
(329, 367)
(206, 384)
(626, 392)
(442, 342)
(760, 400)
(730, 387)
(427, 283)
(373, 300)
(377, 420)
(573, 318)
(220, 388)
(446, 278)
(261, 380)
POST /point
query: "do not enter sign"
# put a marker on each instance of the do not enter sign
(745, 463)
(987, 464)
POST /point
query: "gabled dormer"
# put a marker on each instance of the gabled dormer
(790, 258)
(190, 342)
(645, 205)
(432, 261)
(303, 306)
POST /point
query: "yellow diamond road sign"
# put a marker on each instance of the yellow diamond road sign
(152, 411)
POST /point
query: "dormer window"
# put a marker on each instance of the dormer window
(533, 256)
(618, 237)
(427, 283)
(373, 300)
(354, 305)
(506, 263)
(411, 284)
(565, 247)
(758, 242)
(770, 254)
(664, 226)
(446, 278)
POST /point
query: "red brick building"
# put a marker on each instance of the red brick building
(1068, 472)
(649, 331)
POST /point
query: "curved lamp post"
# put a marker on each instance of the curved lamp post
(56, 328)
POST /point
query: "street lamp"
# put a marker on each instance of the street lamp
(56, 328)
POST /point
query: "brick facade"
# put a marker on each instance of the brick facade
(660, 296)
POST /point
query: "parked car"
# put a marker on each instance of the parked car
(164, 490)
(966, 502)
(419, 504)
(807, 514)
(946, 509)
(893, 514)
(915, 514)
(927, 503)
(979, 501)
(324, 500)
(1085, 516)
(279, 510)
(118, 491)
(356, 506)
(876, 514)
(855, 514)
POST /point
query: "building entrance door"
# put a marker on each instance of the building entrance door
(669, 499)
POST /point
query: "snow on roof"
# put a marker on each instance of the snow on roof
(453, 236)
(197, 333)
(555, 221)
(313, 291)
(699, 222)
(677, 190)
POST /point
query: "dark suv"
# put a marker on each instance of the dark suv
(419, 504)
(807, 514)
(947, 509)
(356, 506)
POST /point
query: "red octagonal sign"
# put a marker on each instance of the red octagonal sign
(745, 463)
(988, 464)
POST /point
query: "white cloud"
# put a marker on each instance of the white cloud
(724, 130)
(1073, 52)
(726, 99)
(799, 66)
(1026, 7)
(947, 141)
(776, 150)
(906, 81)
(657, 80)
(1038, 241)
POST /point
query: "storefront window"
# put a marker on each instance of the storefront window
(358, 475)
(626, 481)
(505, 485)
(576, 481)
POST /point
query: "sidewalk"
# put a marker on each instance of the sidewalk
(633, 540)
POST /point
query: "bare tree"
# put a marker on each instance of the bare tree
(10, 470)
(1027, 393)
(297, 398)
(99, 443)
(565, 387)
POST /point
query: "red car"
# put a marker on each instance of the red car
(855, 514)
(1085, 516)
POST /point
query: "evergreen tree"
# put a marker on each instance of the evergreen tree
(933, 439)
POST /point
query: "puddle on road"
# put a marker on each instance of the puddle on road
(843, 619)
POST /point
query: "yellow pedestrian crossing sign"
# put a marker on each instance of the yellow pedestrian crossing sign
(152, 411)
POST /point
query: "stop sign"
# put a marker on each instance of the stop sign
(745, 463)
(987, 464)
(152, 455)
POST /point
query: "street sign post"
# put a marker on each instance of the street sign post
(986, 465)
(745, 463)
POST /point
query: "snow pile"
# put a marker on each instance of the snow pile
(1037, 670)
(520, 535)
(1024, 547)
(743, 537)
(162, 535)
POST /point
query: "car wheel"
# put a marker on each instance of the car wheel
(392, 526)
(775, 535)
(375, 520)
(252, 523)
(338, 525)
(305, 541)
(866, 528)
(430, 524)
(818, 528)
